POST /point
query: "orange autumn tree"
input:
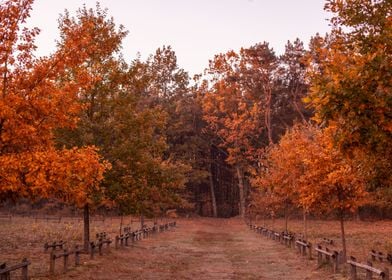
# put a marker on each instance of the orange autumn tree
(351, 87)
(234, 124)
(332, 183)
(306, 168)
(284, 167)
(36, 99)
(237, 106)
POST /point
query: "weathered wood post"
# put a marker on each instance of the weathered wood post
(369, 273)
(66, 254)
(92, 249)
(336, 262)
(353, 270)
(327, 257)
(373, 255)
(319, 256)
(100, 247)
(52, 262)
(116, 241)
(386, 274)
(3, 276)
(77, 255)
(25, 274)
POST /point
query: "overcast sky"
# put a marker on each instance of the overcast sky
(196, 29)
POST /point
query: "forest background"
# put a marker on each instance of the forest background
(304, 133)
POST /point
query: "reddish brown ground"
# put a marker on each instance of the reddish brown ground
(195, 249)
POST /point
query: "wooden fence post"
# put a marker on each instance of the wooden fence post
(25, 275)
(66, 254)
(373, 255)
(6, 275)
(353, 270)
(6, 271)
(52, 262)
(369, 273)
(116, 242)
(77, 255)
(100, 247)
(92, 248)
(336, 262)
(319, 256)
(386, 274)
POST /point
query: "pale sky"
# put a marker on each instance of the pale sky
(196, 29)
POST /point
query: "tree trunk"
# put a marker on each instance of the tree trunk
(286, 217)
(212, 190)
(343, 235)
(273, 219)
(141, 220)
(241, 191)
(295, 94)
(86, 221)
(121, 224)
(267, 113)
(305, 225)
(357, 215)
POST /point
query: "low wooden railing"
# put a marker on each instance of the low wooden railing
(369, 269)
(5, 272)
(331, 257)
(65, 255)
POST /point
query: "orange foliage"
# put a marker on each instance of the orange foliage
(306, 169)
(331, 181)
(38, 97)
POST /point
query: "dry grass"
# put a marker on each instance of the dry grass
(361, 237)
(215, 248)
(25, 237)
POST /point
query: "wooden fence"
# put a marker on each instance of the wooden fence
(7, 218)
(380, 256)
(5, 271)
(54, 245)
(331, 257)
(304, 247)
(326, 255)
(369, 269)
(58, 249)
(65, 256)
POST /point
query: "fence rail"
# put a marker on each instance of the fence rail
(331, 257)
(380, 256)
(5, 272)
(54, 245)
(368, 267)
(58, 249)
(65, 255)
(302, 245)
(6, 218)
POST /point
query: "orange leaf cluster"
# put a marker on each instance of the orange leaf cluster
(38, 97)
(307, 170)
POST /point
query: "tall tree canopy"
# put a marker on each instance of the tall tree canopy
(36, 99)
(123, 115)
(351, 85)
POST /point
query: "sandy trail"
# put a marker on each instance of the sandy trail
(202, 249)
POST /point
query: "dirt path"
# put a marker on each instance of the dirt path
(202, 249)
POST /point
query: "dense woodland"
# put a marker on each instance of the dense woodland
(307, 132)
